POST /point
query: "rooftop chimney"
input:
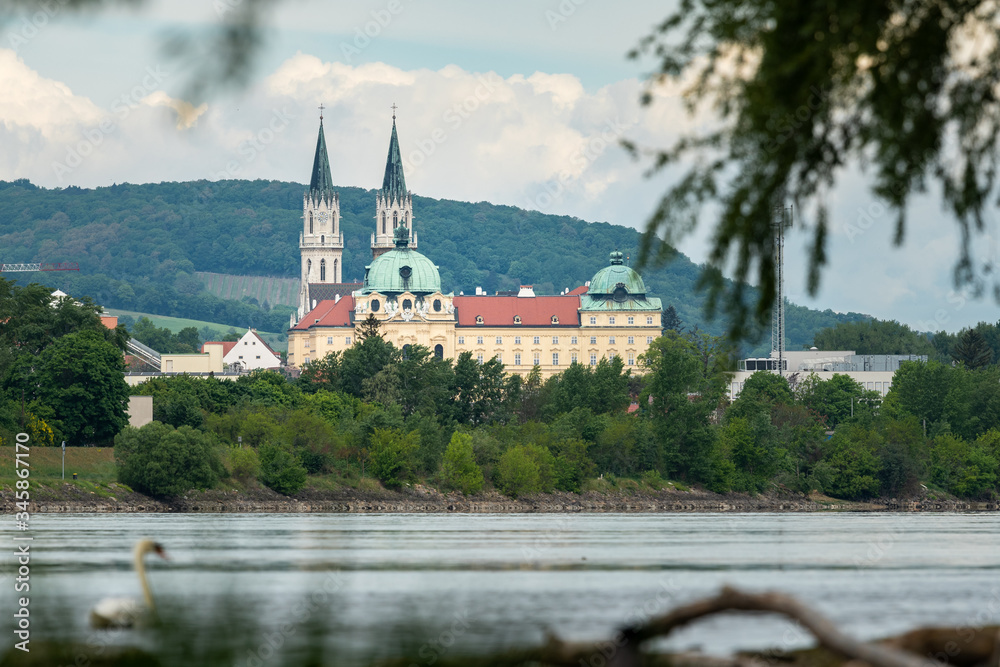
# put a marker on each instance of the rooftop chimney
(526, 291)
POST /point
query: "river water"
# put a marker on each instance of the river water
(501, 580)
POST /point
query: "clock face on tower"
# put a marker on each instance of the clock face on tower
(323, 217)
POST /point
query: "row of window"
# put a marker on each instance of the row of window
(329, 341)
(536, 359)
(555, 320)
(517, 341)
(629, 320)
(537, 340)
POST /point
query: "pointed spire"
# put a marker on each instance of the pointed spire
(393, 183)
(321, 183)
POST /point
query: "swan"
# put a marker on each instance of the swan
(124, 612)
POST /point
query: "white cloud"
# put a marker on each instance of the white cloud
(32, 102)
(543, 140)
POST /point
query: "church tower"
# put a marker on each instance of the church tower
(393, 203)
(321, 242)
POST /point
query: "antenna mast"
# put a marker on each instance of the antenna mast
(782, 221)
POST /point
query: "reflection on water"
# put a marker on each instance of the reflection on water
(580, 576)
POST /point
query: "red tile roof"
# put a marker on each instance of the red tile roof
(328, 314)
(582, 289)
(226, 345)
(499, 311)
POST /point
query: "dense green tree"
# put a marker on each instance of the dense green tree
(671, 320)
(838, 398)
(244, 462)
(874, 337)
(77, 384)
(364, 360)
(852, 454)
(482, 392)
(920, 389)
(753, 450)
(163, 462)
(680, 401)
(761, 392)
(601, 388)
(394, 456)
(517, 473)
(966, 469)
(971, 350)
(458, 469)
(280, 470)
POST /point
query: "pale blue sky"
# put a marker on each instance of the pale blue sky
(558, 96)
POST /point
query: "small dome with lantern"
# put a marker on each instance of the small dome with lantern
(617, 287)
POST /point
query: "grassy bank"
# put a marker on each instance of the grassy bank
(95, 464)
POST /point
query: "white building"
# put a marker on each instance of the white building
(250, 352)
(872, 371)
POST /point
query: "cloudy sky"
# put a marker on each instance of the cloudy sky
(521, 103)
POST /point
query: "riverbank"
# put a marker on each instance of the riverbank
(116, 498)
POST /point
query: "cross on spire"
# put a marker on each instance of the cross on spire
(321, 107)
(394, 107)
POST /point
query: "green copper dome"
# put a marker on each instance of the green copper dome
(401, 270)
(617, 287)
(608, 279)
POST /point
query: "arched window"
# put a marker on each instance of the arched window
(310, 222)
(383, 222)
(395, 219)
(309, 270)
(407, 304)
(406, 219)
(322, 270)
(336, 276)
(322, 239)
(406, 351)
(439, 352)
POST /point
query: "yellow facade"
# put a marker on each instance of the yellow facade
(519, 348)
(210, 362)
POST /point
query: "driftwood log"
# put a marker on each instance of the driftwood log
(928, 647)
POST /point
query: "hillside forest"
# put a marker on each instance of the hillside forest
(140, 246)
(373, 416)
